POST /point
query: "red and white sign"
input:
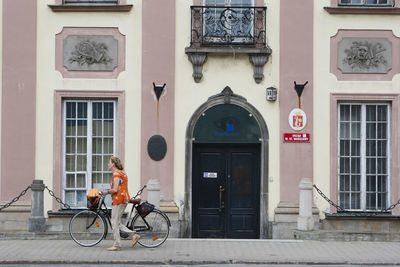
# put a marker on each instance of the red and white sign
(297, 119)
(296, 137)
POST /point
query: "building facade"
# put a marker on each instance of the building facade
(185, 93)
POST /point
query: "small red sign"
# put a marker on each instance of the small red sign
(296, 137)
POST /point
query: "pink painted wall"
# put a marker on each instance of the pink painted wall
(18, 97)
(158, 66)
(296, 64)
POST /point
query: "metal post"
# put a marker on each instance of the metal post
(153, 189)
(305, 221)
(37, 221)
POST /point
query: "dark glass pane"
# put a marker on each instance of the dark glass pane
(382, 129)
(371, 183)
(344, 130)
(82, 110)
(355, 165)
(355, 113)
(371, 113)
(371, 130)
(97, 111)
(71, 110)
(355, 130)
(371, 148)
(371, 166)
(382, 150)
(344, 147)
(355, 148)
(344, 112)
(108, 110)
(382, 113)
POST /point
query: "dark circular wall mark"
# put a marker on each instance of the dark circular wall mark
(157, 147)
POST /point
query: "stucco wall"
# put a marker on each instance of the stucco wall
(219, 71)
(48, 80)
(325, 83)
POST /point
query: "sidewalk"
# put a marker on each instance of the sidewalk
(203, 251)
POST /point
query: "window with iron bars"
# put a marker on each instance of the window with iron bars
(228, 21)
(364, 156)
(366, 2)
(90, 1)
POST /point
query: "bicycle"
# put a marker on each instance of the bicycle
(88, 227)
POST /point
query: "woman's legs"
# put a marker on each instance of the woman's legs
(116, 214)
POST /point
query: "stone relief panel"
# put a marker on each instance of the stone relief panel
(364, 55)
(90, 53)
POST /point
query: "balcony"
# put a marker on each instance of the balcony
(228, 29)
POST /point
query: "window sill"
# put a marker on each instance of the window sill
(357, 10)
(91, 8)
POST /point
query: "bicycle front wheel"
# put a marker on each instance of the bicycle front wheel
(87, 228)
(155, 232)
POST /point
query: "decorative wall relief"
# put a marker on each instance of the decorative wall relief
(90, 53)
(365, 55)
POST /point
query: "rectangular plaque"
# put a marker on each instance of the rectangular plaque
(210, 175)
(296, 137)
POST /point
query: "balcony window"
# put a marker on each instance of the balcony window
(228, 22)
(365, 2)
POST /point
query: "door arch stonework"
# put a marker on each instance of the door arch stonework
(227, 97)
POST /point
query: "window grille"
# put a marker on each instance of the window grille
(366, 2)
(364, 156)
(89, 142)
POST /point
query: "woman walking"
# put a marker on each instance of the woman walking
(120, 197)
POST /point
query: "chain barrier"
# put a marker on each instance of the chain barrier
(15, 199)
(381, 212)
(66, 206)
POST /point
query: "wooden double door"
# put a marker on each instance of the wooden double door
(226, 191)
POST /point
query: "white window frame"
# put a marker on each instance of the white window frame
(89, 134)
(363, 156)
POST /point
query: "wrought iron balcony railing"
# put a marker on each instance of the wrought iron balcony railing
(228, 25)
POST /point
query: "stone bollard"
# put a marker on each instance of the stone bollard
(305, 221)
(153, 189)
(37, 221)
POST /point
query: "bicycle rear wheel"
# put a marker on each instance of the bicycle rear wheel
(157, 232)
(87, 228)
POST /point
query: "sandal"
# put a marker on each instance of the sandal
(114, 248)
(135, 239)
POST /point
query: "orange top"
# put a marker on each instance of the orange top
(122, 195)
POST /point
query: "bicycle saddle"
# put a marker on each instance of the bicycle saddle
(135, 200)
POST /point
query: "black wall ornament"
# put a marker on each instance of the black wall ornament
(299, 90)
(158, 90)
(157, 147)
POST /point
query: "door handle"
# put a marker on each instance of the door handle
(221, 203)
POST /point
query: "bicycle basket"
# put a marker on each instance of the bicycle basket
(145, 208)
(93, 198)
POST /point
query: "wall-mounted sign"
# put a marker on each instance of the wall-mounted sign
(297, 119)
(296, 137)
(210, 175)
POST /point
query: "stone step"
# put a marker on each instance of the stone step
(327, 235)
(384, 223)
(15, 217)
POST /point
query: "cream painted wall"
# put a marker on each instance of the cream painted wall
(219, 71)
(48, 80)
(325, 83)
